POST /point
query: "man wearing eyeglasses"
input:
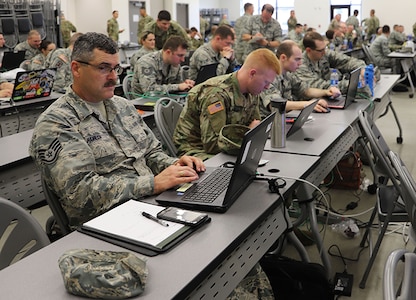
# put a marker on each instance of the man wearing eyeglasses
(317, 62)
(161, 71)
(61, 60)
(93, 148)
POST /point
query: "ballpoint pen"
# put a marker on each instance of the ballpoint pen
(153, 218)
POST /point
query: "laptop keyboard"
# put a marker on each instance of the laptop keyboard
(212, 186)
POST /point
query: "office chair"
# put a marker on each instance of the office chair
(389, 206)
(167, 113)
(127, 87)
(23, 233)
(407, 289)
(9, 31)
(371, 60)
(59, 216)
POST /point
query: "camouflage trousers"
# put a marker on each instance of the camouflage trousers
(254, 286)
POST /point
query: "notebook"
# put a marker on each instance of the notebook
(301, 119)
(32, 84)
(227, 189)
(12, 60)
(344, 101)
(206, 72)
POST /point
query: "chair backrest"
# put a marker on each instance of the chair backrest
(55, 205)
(368, 54)
(22, 234)
(127, 86)
(167, 113)
(8, 28)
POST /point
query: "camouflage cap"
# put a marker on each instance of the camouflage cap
(230, 138)
(103, 274)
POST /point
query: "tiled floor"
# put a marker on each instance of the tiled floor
(406, 110)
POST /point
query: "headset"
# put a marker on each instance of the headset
(274, 183)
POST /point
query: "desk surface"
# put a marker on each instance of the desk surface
(15, 147)
(177, 272)
(396, 54)
(31, 102)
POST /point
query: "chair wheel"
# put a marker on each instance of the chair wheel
(399, 140)
(372, 189)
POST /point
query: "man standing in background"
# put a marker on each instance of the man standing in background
(144, 19)
(112, 27)
(240, 24)
(372, 23)
(66, 28)
(292, 21)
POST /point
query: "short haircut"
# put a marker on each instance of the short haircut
(114, 11)
(385, 29)
(74, 37)
(298, 25)
(310, 38)
(86, 43)
(44, 44)
(355, 11)
(329, 34)
(194, 29)
(224, 31)
(164, 15)
(263, 59)
(247, 6)
(286, 48)
(268, 7)
(174, 42)
(32, 33)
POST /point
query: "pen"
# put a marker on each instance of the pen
(153, 218)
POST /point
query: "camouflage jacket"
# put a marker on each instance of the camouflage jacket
(112, 29)
(239, 26)
(142, 24)
(152, 74)
(162, 36)
(206, 55)
(61, 60)
(209, 106)
(291, 23)
(139, 53)
(317, 74)
(30, 51)
(66, 28)
(92, 162)
(37, 62)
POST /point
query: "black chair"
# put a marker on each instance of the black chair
(8, 28)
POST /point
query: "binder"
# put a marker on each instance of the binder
(125, 226)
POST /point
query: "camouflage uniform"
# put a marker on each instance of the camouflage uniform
(372, 24)
(206, 55)
(240, 45)
(162, 36)
(139, 53)
(30, 51)
(92, 162)
(113, 29)
(287, 86)
(203, 26)
(142, 24)
(353, 20)
(272, 31)
(61, 60)
(38, 62)
(294, 36)
(414, 29)
(291, 23)
(66, 28)
(380, 49)
(152, 74)
(317, 74)
(396, 40)
(209, 106)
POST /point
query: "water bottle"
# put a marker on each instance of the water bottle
(334, 78)
(278, 133)
(410, 44)
(369, 77)
(345, 46)
(332, 46)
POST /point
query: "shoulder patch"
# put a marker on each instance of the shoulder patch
(215, 107)
(50, 155)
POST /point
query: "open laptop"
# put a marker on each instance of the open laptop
(301, 119)
(206, 72)
(344, 101)
(12, 60)
(32, 84)
(229, 187)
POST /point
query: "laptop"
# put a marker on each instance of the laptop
(228, 188)
(344, 101)
(301, 119)
(12, 60)
(206, 72)
(32, 84)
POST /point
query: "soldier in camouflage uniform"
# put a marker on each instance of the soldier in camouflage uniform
(203, 26)
(372, 23)
(218, 50)
(265, 30)
(66, 28)
(61, 60)
(292, 21)
(288, 86)
(38, 62)
(222, 100)
(144, 19)
(380, 49)
(93, 148)
(112, 27)
(164, 27)
(296, 34)
(318, 62)
(397, 37)
(240, 24)
(147, 41)
(160, 71)
(31, 45)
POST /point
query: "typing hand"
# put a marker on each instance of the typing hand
(173, 176)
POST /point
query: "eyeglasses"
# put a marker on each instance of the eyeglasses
(320, 50)
(104, 69)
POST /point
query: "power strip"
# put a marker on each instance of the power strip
(343, 284)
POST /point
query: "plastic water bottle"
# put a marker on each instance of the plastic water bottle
(369, 77)
(345, 46)
(410, 44)
(334, 78)
(332, 46)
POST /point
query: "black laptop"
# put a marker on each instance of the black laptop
(344, 101)
(206, 72)
(12, 60)
(226, 184)
(292, 127)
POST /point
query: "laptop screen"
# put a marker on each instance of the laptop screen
(33, 84)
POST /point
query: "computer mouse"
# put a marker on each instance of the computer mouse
(326, 111)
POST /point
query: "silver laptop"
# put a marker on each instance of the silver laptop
(225, 185)
(344, 101)
(301, 119)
